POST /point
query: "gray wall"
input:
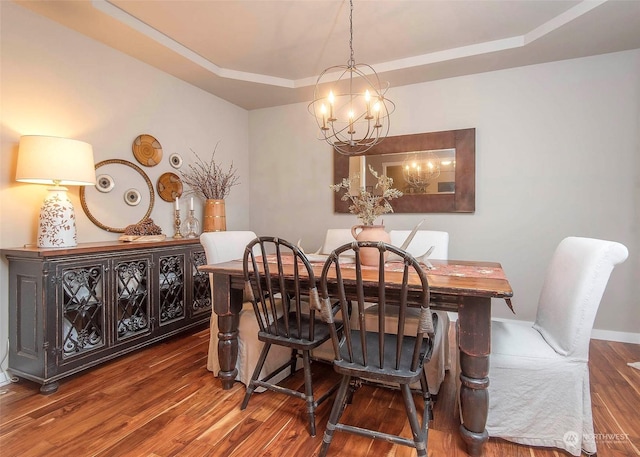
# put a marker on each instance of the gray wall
(557, 155)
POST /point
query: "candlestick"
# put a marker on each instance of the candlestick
(176, 222)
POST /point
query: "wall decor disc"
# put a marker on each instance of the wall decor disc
(132, 197)
(175, 160)
(104, 183)
(169, 187)
(147, 150)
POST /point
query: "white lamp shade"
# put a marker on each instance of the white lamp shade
(48, 159)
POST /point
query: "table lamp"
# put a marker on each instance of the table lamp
(57, 161)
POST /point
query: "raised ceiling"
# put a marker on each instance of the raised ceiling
(264, 53)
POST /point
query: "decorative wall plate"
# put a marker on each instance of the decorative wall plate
(169, 187)
(105, 183)
(147, 150)
(175, 160)
(113, 211)
(132, 197)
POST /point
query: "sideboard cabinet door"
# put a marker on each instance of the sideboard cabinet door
(132, 289)
(200, 299)
(81, 309)
(171, 288)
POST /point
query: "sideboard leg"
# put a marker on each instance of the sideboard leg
(49, 388)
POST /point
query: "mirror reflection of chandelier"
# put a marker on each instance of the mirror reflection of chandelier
(421, 168)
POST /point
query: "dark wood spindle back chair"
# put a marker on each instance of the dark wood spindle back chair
(280, 283)
(379, 354)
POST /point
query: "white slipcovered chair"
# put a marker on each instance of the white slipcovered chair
(539, 391)
(223, 247)
(422, 241)
(333, 239)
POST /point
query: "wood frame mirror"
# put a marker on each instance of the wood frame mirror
(460, 199)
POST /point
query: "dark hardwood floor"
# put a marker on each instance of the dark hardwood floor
(162, 401)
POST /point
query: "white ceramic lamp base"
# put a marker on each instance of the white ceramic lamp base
(57, 227)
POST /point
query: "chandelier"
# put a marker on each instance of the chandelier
(419, 169)
(354, 116)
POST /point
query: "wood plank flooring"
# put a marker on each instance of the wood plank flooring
(162, 402)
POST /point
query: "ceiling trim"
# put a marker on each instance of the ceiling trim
(557, 22)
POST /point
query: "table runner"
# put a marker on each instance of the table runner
(442, 269)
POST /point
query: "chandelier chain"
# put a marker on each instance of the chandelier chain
(352, 61)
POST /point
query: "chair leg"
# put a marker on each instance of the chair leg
(426, 396)
(419, 435)
(308, 392)
(251, 387)
(339, 405)
(294, 360)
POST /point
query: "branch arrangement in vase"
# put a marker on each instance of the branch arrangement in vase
(208, 180)
(366, 205)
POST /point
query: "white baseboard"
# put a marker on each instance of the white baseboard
(611, 335)
(596, 334)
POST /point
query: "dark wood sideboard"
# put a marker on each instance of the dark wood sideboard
(73, 308)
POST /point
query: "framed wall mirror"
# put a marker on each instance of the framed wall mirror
(435, 171)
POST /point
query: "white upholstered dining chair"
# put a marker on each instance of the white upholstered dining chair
(422, 241)
(539, 376)
(333, 239)
(223, 247)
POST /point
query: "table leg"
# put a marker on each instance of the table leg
(474, 340)
(227, 303)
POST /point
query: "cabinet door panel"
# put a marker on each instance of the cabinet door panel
(201, 290)
(82, 303)
(171, 287)
(132, 297)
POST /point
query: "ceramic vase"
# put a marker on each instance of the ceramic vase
(370, 256)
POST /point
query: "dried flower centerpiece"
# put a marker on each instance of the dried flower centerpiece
(366, 205)
(210, 182)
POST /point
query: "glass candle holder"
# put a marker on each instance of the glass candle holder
(191, 225)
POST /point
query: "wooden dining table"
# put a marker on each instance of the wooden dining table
(465, 287)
